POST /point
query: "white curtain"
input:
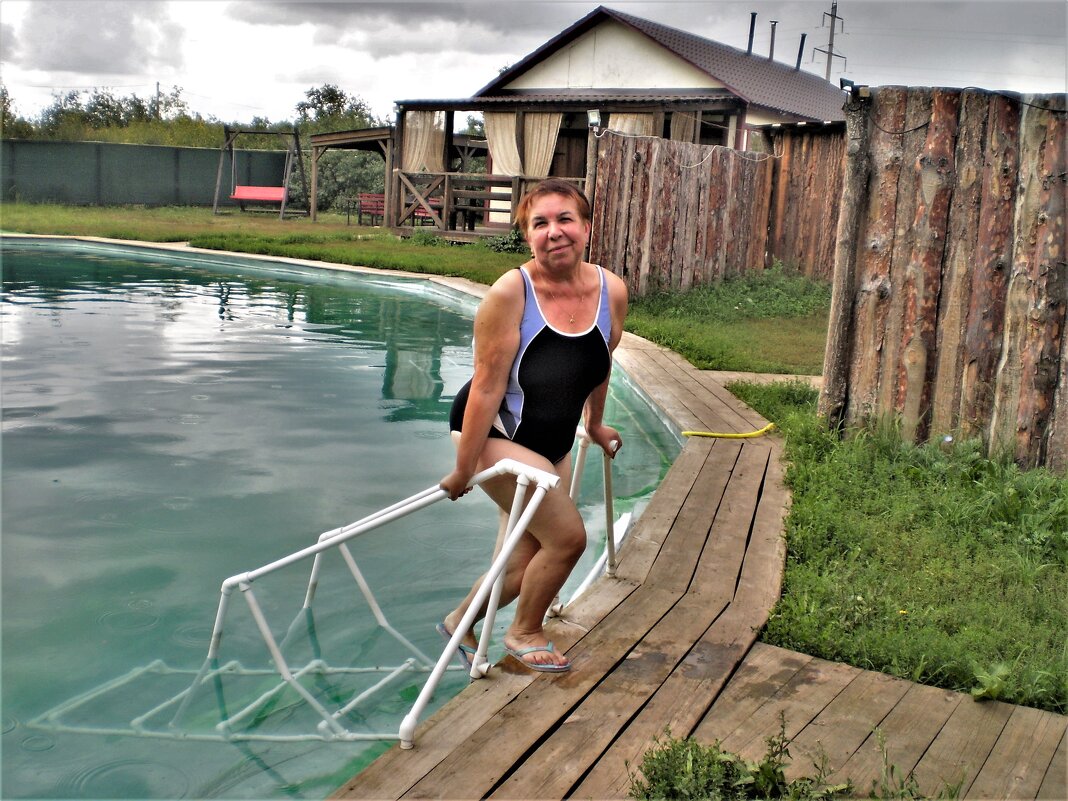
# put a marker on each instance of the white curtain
(500, 136)
(539, 142)
(635, 124)
(683, 125)
(424, 141)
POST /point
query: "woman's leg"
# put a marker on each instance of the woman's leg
(544, 556)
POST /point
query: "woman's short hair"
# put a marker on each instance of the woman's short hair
(550, 186)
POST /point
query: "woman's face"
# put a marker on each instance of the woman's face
(556, 232)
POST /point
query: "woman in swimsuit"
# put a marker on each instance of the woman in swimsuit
(544, 336)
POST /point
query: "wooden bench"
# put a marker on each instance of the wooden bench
(264, 194)
(372, 204)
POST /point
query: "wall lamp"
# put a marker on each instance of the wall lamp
(851, 86)
(593, 118)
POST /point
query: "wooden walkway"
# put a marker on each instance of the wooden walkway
(670, 643)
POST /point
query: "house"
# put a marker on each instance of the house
(608, 70)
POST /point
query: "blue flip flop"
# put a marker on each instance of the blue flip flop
(464, 653)
(519, 653)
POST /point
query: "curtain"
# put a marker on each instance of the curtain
(683, 125)
(636, 124)
(500, 136)
(539, 142)
(424, 141)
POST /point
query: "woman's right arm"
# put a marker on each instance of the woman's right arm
(496, 344)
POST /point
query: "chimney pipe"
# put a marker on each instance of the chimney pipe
(771, 50)
(800, 51)
(752, 30)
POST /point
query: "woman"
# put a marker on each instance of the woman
(544, 336)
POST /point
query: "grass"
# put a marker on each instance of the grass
(773, 321)
(929, 562)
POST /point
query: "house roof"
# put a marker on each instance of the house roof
(579, 99)
(758, 80)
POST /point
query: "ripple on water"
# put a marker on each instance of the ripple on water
(10, 723)
(192, 635)
(38, 742)
(134, 620)
(115, 779)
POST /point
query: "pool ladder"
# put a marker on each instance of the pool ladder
(330, 726)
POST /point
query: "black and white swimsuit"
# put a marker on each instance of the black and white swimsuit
(552, 376)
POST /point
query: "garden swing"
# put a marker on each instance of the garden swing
(246, 193)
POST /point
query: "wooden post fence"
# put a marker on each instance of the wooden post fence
(950, 281)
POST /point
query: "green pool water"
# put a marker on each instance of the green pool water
(173, 420)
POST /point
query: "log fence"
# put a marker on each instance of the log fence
(950, 281)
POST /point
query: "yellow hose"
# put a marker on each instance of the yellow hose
(748, 435)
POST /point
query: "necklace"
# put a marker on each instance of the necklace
(570, 315)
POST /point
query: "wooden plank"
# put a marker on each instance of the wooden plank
(840, 729)
(490, 752)
(719, 398)
(797, 702)
(720, 565)
(1018, 762)
(760, 582)
(905, 734)
(1055, 784)
(677, 561)
(676, 707)
(962, 746)
(642, 367)
(586, 732)
(687, 392)
(645, 541)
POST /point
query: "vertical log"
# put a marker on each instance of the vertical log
(700, 243)
(781, 194)
(923, 277)
(640, 243)
(961, 244)
(684, 161)
(1043, 257)
(758, 246)
(990, 267)
(875, 247)
(835, 389)
(917, 117)
(715, 219)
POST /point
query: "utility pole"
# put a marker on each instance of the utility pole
(829, 50)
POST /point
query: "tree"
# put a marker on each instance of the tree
(12, 126)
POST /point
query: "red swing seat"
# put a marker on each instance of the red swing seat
(267, 194)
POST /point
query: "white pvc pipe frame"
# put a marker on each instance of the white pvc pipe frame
(518, 521)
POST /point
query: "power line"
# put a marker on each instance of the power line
(829, 49)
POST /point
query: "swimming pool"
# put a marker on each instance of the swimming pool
(170, 420)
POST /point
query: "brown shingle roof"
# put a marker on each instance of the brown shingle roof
(756, 79)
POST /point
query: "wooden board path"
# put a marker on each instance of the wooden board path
(670, 643)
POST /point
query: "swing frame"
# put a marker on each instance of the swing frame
(260, 194)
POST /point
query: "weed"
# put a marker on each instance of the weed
(685, 769)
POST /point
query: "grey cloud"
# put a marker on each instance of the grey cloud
(110, 38)
(8, 43)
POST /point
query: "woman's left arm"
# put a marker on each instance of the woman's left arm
(598, 432)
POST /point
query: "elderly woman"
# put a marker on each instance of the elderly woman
(544, 336)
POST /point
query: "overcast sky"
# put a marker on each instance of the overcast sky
(235, 60)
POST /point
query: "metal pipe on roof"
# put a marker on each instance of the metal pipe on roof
(800, 51)
(771, 50)
(752, 30)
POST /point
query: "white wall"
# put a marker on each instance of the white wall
(612, 56)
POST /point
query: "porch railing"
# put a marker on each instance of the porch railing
(459, 201)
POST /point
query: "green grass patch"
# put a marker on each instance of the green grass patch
(930, 562)
(774, 321)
